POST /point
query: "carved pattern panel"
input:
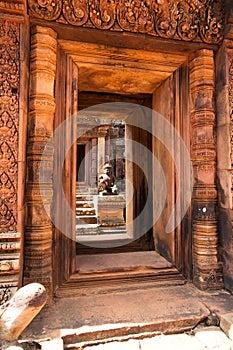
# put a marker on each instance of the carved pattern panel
(14, 6)
(9, 125)
(188, 20)
(9, 119)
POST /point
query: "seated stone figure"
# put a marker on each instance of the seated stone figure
(107, 181)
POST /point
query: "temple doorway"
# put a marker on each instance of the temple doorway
(100, 245)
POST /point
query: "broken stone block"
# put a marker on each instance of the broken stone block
(20, 310)
(226, 324)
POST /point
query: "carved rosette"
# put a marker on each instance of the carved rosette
(188, 20)
(46, 9)
(206, 267)
(38, 233)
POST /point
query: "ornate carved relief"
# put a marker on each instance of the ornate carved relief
(207, 270)
(9, 124)
(38, 233)
(12, 5)
(9, 118)
(199, 20)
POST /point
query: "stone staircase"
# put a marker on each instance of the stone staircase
(86, 216)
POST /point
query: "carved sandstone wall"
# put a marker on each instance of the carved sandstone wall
(185, 20)
(12, 142)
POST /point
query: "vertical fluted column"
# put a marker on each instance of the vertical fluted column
(38, 235)
(206, 268)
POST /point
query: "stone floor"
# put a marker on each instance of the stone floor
(152, 309)
(145, 318)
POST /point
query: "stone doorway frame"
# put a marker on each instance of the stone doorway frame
(44, 259)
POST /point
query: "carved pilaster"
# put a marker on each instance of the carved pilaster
(11, 147)
(38, 235)
(206, 268)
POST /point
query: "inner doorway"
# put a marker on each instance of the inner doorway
(80, 168)
(103, 220)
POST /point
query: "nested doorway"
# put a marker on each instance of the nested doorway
(91, 80)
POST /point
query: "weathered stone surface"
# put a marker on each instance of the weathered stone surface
(20, 310)
(205, 338)
(121, 262)
(119, 314)
(226, 323)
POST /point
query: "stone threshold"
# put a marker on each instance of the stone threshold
(101, 273)
(82, 320)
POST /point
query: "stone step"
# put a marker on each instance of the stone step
(82, 198)
(84, 204)
(141, 313)
(86, 219)
(82, 188)
(85, 211)
(121, 262)
(121, 229)
(202, 338)
(86, 231)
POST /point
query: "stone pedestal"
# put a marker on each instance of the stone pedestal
(111, 210)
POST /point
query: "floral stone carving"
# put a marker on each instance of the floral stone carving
(9, 109)
(188, 20)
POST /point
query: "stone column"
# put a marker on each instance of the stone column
(13, 114)
(102, 132)
(38, 235)
(93, 162)
(206, 267)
